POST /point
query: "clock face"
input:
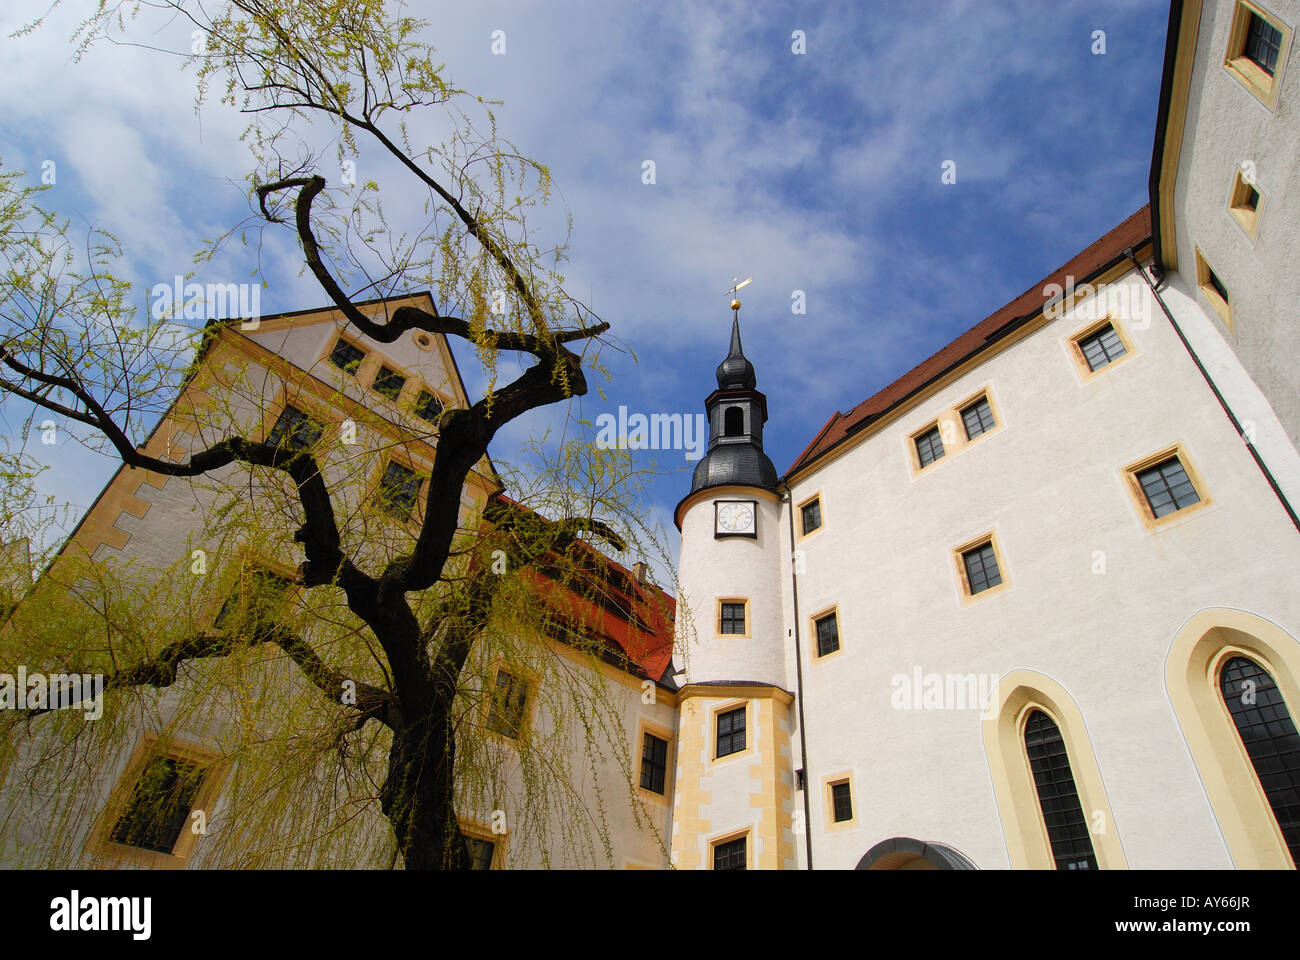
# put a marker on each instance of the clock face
(734, 518)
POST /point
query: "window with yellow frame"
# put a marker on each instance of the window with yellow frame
(1259, 42)
(1165, 486)
(158, 812)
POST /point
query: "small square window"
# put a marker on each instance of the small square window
(828, 634)
(842, 801)
(1257, 50)
(294, 430)
(388, 383)
(732, 618)
(929, 446)
(507, 706)
(978, 418)
(1263, 43)
(731, 732)
(1214, 290)
(347, 357)
(654, 763)
(480, 853)
(1102, 347)
(1244, 204)
(811, 516)
(729, 855)
(982, 571)
(1167, 487)
(428, 407)
(159, 806)
(398, 490)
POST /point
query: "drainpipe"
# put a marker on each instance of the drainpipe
(798, 667)
(1263, 468)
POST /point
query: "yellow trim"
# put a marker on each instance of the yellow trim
(984, 393)
(1240, 208)
(964, 584)
(644, 726)
(1192, 667)
(1028, 328)
(1175, 124)
(821, 513)
(749, 621)
(1028, 844)
(151, 745)
(952, 429)
(828, 806)
(1221, 306)
(1244, 70)
(822, 614)
(1148, 518)
(730, 837)
(483, 831)
(945, 426)
(1074, 341)
(735, 692)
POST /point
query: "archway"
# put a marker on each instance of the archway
(905, 853)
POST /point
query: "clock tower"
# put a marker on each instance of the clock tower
(734, 707)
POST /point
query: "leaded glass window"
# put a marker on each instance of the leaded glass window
(159, 805)
(929, 446)
(1167, 487)
(1102, 347)
(828, 634)
(1067, 828)
(733, 618)
(731, 732)
(654, 763)
(1268, 733)
(842, 801)
(730, 855)
(982, 571)
(978, 418)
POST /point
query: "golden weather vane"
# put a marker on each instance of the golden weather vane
(736, 284)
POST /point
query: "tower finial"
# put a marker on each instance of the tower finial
(736, 284)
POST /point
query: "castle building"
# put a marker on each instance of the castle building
(1031, 605)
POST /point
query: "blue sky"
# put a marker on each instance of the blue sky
(818, 172)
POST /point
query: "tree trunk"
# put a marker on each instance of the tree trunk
(419, 797)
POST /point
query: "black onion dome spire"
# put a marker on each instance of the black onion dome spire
(736, 372)
(737, 412)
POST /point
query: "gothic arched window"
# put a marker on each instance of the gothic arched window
(1067, 828)
(733, 422)
(1269, 735)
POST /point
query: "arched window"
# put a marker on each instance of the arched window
(733, 422)
(1067, 828)
(1054, 809)
(1269, 735)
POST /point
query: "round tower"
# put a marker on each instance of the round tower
(730, 572)
(733, 796)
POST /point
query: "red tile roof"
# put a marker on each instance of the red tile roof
(632, 622)
(1091, 261)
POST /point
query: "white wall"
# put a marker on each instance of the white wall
(1049, 484)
